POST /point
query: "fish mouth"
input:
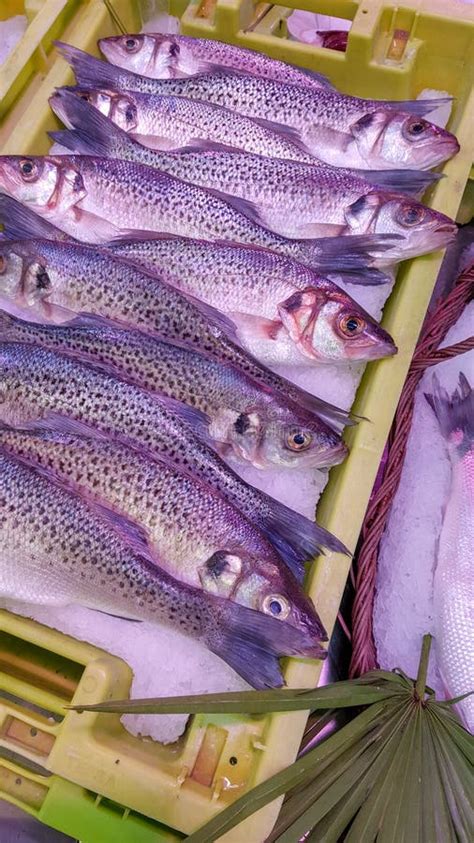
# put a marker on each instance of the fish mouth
(330, 456)
(384, 348)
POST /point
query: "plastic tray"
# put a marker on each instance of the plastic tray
(89, 777)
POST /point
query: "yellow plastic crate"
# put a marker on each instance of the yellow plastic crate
(85, 775)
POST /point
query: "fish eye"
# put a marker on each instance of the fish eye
(415, 128)
(411, 214)
(130, 114)
(28, 169)
(132, 44)
(351, 326)
(276, 605)
(43, 281)
(299, 440)
(174, 49)
(84, 96)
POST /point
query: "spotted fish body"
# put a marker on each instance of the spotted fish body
(41, 385)
(175, 122)
(161, 56)
(342, 130)
(57, 549)
(246, 421)
(292, 199)
(57, 277)
(198, 538)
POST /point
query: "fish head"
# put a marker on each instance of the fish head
(44, 183)
(397, 139)
(116, 106)
(327, 324)
(422, 229)
(143, 53)
(11, 272)
(277, 434)
(262, 584)
(35, 279)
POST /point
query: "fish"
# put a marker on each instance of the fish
(95, 199)
(197, 536)
(163, 56)
(342, 130)
(176, 123)
(58, 549)
(292, 199)
(256, 287)
(282, 311)
(50, 281)
(453, 577)
(241, 419)
(42, 387)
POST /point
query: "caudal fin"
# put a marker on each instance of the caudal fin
(91, 72)
(455, 413)
(252, 643)
(411, 182)
(19, 222)
(344, 253)
(297, 539)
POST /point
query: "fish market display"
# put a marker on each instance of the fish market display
(39, 385)
(239, 417)
(293, 199)
(341, 130)
(283, 311)
(173, 56)
(171, 278)
(453, 579)
(96, 199)
(41, 564)
(51, 280)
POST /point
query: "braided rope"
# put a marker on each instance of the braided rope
(426, 354)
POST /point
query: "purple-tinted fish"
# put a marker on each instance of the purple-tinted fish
(341, 130)
(96, 199)
(293, 199)
(39, 385)
(283, 311)
(195, 534)
(241, 419)
(164, 56)
(57, 549)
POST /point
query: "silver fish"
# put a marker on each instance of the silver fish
(50, 281)
(453, 579)
(197, 536)
(295, 200)
(174, 122)
(96, 199)
(56, 549)
(39, 385)
(240, 418)
(163, 56)
(341, 130)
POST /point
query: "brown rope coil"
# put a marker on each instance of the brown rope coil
(427, 354)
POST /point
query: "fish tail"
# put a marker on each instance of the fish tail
(252, 643)
(345, 253)
(410, 182)
(91, 132)
(91, 72)
(417, 107)
(19, 222)
(455, 413)
(297, 539)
